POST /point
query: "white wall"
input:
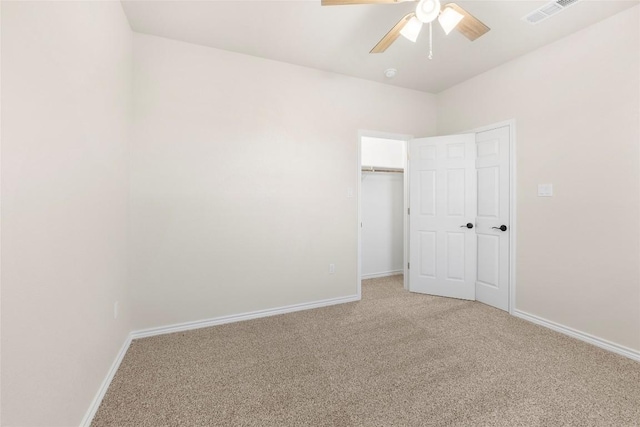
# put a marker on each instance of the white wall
(66, 96)
(382, 223)
(577, 107)
(382, 152)
(240, 172)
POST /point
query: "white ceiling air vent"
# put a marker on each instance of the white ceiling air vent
(548, 10)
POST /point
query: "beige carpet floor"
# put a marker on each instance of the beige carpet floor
(392, 359)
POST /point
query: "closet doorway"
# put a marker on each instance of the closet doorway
(382, 205)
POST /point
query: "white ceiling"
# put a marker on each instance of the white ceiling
(338, 38)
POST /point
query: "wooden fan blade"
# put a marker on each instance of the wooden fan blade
(343, 2)
(470, 26)
(392, 35)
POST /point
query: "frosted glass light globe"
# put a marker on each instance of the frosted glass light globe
(428, 10)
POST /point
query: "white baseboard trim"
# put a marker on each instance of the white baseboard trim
(382, 274)
(582, 336)
(95, 404)
(187, 326)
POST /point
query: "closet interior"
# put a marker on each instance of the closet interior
(382, 206)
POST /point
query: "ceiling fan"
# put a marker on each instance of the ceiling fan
(449, 16)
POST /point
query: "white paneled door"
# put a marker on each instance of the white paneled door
(459, 222)
(492, 222)
(442, 242)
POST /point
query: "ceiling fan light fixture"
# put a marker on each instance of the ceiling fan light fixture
(428, 10)
(449, 19)
(412, 29)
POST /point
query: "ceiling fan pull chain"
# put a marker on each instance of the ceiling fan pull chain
(430, 40)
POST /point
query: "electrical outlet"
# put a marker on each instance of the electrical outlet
(115, 310)
(332, 268)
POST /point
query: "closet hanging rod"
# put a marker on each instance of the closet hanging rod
(381, 169)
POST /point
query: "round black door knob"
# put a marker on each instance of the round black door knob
(469, 225)
(501, 228)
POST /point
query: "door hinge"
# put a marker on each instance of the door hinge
(408, 266)
(408, 211)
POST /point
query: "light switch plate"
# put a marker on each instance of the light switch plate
(545, 190)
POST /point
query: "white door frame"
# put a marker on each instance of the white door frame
(512, 203)
(385, 135)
